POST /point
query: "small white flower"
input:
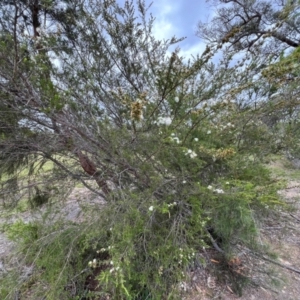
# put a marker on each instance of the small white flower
(111, 262)
(227, 182)
(183, 181)
(151, 208)
(196, 139)
(111, 270)
(174, 203)
(208, 131)
(176, 139)
(210, 187)
(219, 191)
(173, 134)
(193, 154)
(176, 99)
(93, 264)
(160, 270)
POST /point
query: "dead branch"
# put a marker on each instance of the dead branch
(274, 262)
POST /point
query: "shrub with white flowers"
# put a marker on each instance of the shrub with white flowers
(157, 137)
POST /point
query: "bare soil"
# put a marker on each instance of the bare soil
(270, 279)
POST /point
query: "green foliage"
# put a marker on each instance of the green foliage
(287, 67)
(170, 145)
(25, 233)
(57, 257)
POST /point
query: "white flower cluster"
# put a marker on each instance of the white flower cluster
(191, 153)
(115, 268)
(104, 249)
(227, 126)
(172, 204)
(151, 208)
(160, 270)
(218, 191)
(93, 263)
(101, 250)
(181, 256)
(175, 138)
(189, 256)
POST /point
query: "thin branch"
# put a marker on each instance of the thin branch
(73, 175)
(216, 246)
(275, 262)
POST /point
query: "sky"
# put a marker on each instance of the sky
(180, 18)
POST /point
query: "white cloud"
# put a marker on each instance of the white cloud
(163, 28)
(167, 25)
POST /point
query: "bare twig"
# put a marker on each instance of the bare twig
(275, 262)
(298, 220)
(216, 246)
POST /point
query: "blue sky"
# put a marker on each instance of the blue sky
(180, 18)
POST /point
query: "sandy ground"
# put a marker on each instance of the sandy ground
(268, 281)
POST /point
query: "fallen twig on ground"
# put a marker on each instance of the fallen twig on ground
(274, 262)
